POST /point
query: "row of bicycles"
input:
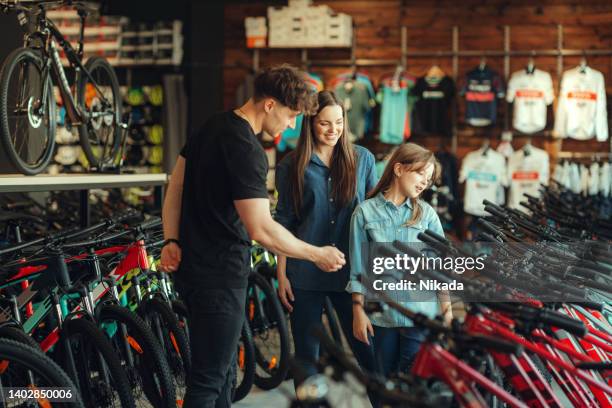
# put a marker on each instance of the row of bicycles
(86, 319)
(90, 307)
(537, 330)
(91, 304)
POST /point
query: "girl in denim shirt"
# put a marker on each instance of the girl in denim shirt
(319, 185)
(395, 212)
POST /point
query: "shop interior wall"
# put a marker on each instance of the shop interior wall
(586, 25)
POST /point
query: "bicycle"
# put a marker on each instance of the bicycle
(27, 102)
(137, 351)
(26, 368)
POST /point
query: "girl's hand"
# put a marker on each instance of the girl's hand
(361, 325)
(285, 293)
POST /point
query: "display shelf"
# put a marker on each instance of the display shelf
(16, 183)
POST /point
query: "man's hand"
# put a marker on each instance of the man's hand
(329, 259)
(170, 257)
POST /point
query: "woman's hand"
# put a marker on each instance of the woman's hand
(285, 293)
(361, 325)
(447, 312)
(448, 317)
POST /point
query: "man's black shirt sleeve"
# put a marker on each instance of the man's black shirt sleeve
(247, 167)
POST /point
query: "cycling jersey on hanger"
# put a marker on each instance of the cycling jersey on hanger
(594, 178)
(581, 112)
(356, 100)
(396, 107)
(482, 88)
(432, 109)
(574, 178)
(527, 169)
(364, 79)
(584, 179)
(560, 175)
(484, 173)
(605, 179)
(530, 93)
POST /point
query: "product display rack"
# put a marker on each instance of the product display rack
(83, 183)
(455, 53)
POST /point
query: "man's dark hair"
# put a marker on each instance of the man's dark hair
(288, 85)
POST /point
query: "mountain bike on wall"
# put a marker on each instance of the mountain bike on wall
(27, 101)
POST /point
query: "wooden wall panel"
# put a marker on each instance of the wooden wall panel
(586, 25)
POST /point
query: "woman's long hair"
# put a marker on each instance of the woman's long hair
(343, 167)
(416, 157)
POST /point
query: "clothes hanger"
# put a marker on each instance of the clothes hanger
(435, 72)
(527, 148)
(350, 81)
(486, 146)
(483, 63)
(395, 82)
(530, 64)
(583, 63)
(398, 72)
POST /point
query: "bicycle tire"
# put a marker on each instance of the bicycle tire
(17, 334)
(246, 363)
(172, 337)
(332, 320)
(92, 64)
(11, 62)
(152, 366)
(40, 365)
(274, 317)
(180, 309)
(96, 339)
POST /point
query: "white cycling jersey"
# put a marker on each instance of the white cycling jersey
(581, 112)
(530, 93)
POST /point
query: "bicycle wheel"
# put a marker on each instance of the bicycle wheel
(27, 112)
(99, 95)
(180, 309)
(141, 356)
(245, 365)
(18, 335)
(100, 376)
(174, 342)
(268, 323)
(25, 367)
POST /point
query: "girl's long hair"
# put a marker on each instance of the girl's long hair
(415, 157)
(343, 167)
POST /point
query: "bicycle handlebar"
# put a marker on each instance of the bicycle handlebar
(562, 322)
(503, 346)
(98, 241)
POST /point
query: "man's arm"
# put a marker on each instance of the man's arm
(256, 217)
(171, 216)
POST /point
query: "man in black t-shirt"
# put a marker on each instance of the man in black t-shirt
(215, 204)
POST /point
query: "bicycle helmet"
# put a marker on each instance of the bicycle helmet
(67, 155)
(155, 134)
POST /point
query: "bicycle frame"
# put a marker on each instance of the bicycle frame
(434, 361)
(567, 378)
(49, 34)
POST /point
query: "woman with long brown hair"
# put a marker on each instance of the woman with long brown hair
(394, 211)
(319, 185)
